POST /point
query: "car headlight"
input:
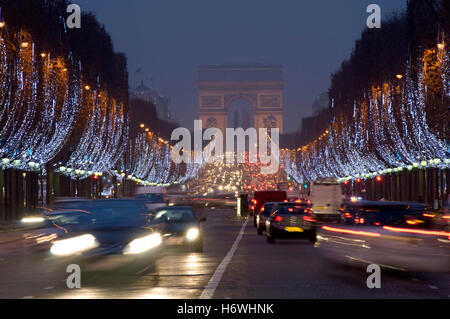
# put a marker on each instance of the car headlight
(73, 245)
(31, 220)
(143, 244)
(192, 233)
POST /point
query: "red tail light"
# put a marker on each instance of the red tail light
(262, 209)
(277, 218)
(428, 215)
(309, 219)
(411, 222)
(298, 200)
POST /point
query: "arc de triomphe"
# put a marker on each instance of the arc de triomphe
(259, 85)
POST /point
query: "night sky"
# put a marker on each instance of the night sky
(168, 39)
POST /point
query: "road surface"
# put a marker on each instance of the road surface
(236, 263)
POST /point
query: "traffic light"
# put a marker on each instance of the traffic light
(305, 185)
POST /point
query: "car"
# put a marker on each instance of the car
(394, 235)
(102, 235)
(366, 212)
(290, 221)
(179, 224)
(266, 210)
(261, 197)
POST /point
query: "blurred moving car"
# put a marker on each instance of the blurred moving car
(108, 230)
(179, 224)
(262, 197)
(290, 221)
(391, 234)
(267, 209)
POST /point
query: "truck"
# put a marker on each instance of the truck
(326, 197)
(153, 196)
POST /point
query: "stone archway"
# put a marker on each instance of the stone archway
(240, 113)
(221, 86)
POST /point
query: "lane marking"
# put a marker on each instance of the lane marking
(209, 290)
(433, 287)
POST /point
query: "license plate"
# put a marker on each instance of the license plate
(294, 229)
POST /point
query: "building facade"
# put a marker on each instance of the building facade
(161, 102)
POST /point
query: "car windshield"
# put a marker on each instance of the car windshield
(69, 218)
(291, 209)
(174, 215)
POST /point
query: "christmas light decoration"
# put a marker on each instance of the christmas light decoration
(387, 133)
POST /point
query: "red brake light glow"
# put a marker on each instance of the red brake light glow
(309, 219)
(277, 218)
(417, 231)
(352, 232)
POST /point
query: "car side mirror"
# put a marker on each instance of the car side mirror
(203, 219)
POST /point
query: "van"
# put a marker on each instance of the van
(326, 197)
